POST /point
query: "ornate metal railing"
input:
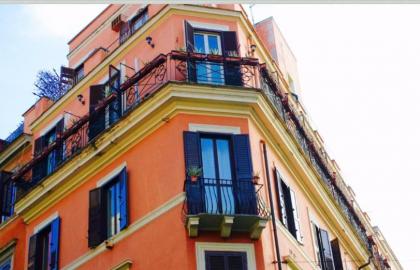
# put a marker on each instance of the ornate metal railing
(16, 133)
(223, 197)
(201, 69)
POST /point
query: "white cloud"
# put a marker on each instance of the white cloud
(61, 21)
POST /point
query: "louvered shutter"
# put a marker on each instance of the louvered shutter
(280, 198)
(123, 199)
(289, 209)
(328, 261)
(97, 119)
(7, 193)
(59, 129)
(215, 262)
(298, 233)
(189, 44)
(192, 155)
(54, 243)
(33, 253)
(233, 75)
(335, 247)
(189, 37)
(247, 202)
(97, 217)
(114, 87)
(40, 168)
(236, 261)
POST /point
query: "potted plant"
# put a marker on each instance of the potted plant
(215, 55)
(194, 172)
(255, 178)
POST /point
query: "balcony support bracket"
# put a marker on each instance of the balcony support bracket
(226, 226)
(192, 226)
(257, 229)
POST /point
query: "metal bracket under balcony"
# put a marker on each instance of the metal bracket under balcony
(225, 207)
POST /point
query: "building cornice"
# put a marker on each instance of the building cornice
(14, 148)
(173, 99)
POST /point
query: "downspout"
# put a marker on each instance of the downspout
(270, 196)
(366, 264)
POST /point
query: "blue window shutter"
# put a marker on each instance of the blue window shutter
(247, 202)
(32, 252)
(55, 243)
(326, 250)
(192, 155)
(97, 118)
(123, 199)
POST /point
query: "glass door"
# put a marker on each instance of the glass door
(208, 72)
(217, 175)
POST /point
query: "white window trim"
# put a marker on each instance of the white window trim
(104, 180)
(45, 222)
(214, 128)
(209, 26)
(202, 247)
(51, 125)
(313, 221)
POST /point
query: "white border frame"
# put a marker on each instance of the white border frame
(104, 180)
(209, 26)
(45, 223)
(202, 247)
(214, 128)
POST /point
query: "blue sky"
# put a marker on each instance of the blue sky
(358, 68)
(36, 40)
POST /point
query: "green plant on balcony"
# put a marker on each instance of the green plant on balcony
(194, 172)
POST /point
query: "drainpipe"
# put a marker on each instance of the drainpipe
(273, 218)
(366, 264)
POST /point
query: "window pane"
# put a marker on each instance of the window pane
(225, 176)
(214, 45)
(207, 154)
(199, 43)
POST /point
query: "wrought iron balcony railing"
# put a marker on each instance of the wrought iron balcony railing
(197, 68)
(223, 197)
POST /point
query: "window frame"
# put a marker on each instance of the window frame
(7, 254)
(202, 247)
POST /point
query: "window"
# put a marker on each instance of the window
(213, 42)
(47, 165)
(286, 203)
(225, 186)
(208, 72)
(7, 196)
(137, 21)
(79, 73)
(323, 248)
(44, 247)
(217, 260)
(6, 264)
(108, 209)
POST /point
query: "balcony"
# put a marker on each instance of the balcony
(225, 206)
(179, 66)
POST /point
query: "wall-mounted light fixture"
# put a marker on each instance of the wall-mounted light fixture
(81, 99)
(253, 48)
(149, 41)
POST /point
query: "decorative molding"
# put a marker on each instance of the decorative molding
(214, 128)
(209, 26)
(45, 222)
(202, 247)
(104, 180)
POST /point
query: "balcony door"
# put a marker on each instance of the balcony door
(217, 176)
(206, 72)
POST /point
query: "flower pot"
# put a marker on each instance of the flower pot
(194, 178)
(255, 180)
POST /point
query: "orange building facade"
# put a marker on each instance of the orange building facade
(179, 143)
